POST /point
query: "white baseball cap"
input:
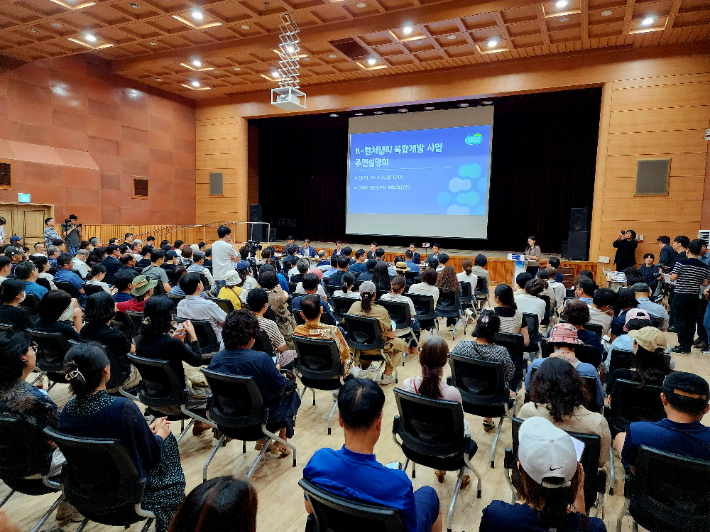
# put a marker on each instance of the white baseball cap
(546, 452)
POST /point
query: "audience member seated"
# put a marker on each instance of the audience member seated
(12, 293)
(511, 319)
(576, 313)
(643, 292)
(601, 310)
(248, 282)
(428, 285)
(394, 346)
(123, 283)
(381, 276)
(433, 357)
(5, 268)
(347, 287)
(42, 264)
(98, 255)
(467, 275)
(111, 262)
(650, 271)
(529, 302)
(98, 313)
(230, 291)
(332, 269)
(278, 299)
(136, 247)
(311, 286)
(28, 272)
(97, 275)
(186, 256)
(258, 303)
(563, 338)
(40, 249)
(145, 253)
(93, 413)
(141, 292)
(398, 285)
(198, 259)
(155, 272)
(556, 286)
(219, 505)
(158, 340)
(625, 301)
(584, 289)
(302, 267)
(238, 358)
(360, 265)
(635, 319)
(79, 263)
(485, 348)
(447, 283)
(550, 486)
(323, 259)
(195, 307)
(558, 394)
(370, 269)
(66, 275)
(443, 258)
(544, 275)
(50, 309)
(649, 366)
(633, 276)
(127, 260)
(343, 265)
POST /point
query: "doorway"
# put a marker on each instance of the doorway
(26, 221)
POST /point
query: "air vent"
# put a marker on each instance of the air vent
(350, 48)
(6, 175)
(140, 187)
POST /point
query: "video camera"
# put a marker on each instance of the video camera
(253, 246)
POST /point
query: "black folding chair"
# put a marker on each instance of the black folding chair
(263, 343)
(364, 334)
(137, 320)
(51, 348)
(225, 304)
(332, 512)
(101, 481)
(449, 306)
(401, 314)
(466, 297)
(68, 288)
(292, 287)
(594, 478)
(341, 305)
(619, 360)
(329, 289)
(319, 367)
(432, 434)
(237, 408)
(515, 344)
(175, 299)
(548, 311)
(657, 322)
(23, 455)
(533, 324)
(480, 293)
(425, 312)
(595, 328)
(484, 391)
(90, 289)
(30, 303)
(161, 386)
(206, 336)
(584, 353)
(668, 492)
(411, 277)
(631, 402)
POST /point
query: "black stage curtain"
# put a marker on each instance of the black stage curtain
(543, 164)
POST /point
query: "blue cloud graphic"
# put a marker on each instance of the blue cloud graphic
(456, 184)
(483, 185)
(444, 198)
(470, 198)
(457, 209)
(472, 171)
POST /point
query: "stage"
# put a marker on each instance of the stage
(499, 267)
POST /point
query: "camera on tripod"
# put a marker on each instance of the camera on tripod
(253, 246)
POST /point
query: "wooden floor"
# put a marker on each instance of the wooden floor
(280, 500)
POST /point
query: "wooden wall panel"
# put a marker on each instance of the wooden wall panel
(682, 164)
(663, 209)
(669, 118)
(654, 142)
(660, 80)
(678, 187)
(685, 94)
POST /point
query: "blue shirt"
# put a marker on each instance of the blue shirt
(358, 267)
(583, 368)
(282, 282)
(412, 266)
(34, 288)
(120, 297)
(68, 276)
(686, 439)
(500, 516)
(559, 277)
(323, 304)
(361, 477)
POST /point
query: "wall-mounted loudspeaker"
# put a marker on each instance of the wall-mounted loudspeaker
(578, 220)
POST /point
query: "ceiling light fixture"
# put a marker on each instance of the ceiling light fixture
(158, 79)
(379, 112)
(197, 63)
(195, 83)
(134, 5)
(33, 30)
(492, 43)
(606, 13)
(56, 25)
(463, 105)
(361, 5)
(429, 108)
(403, 110)
(420, 41)
(89, 37)
(237, 68)
(407, 29)
(275, 74)
(451, 37)
(245, 27)
(334, 115)
(332, 56)
(358, 114)
(648, 21)
(73, 6)
(561, 3)
(197, 14)
(371, 61)
(153, 43)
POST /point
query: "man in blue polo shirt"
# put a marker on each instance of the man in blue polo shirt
(685, 399)
(28, 272)
(353, 471)
(66, 275)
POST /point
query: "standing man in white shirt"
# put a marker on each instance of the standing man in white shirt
(223, 255)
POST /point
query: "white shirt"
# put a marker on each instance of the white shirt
(81, 267)
(320, 292)
(560, 292)
(197, 308)
(598, 317)
(424, 289)
(528, 304)
(464, 277)
(101, 284)
(222, 253)
(340, 293)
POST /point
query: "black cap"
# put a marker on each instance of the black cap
(686, 391)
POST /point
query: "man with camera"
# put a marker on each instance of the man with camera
(72, 234)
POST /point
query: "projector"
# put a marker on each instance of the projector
(288, 98)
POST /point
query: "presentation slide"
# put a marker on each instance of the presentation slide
(423, 181)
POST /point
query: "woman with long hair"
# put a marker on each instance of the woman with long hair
(649, 366)
(93, 413)
(12, 293)
(222, 504)
(558, 394)
(447, 283)
(381, 276)
(511, 319)
(532, 255)
(50, 309)
(96, 277)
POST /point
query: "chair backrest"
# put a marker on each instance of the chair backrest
(292, 287)
(363, 333)
(23, 449)
(515, 344)
(205, 335)
(99, 477)
(595, 328)
(263, 343)
(424, 306)
(569, 292)
(341, 305)
(318, 358)
(399, 312)
(548, 310)
(466, 292)
(175, 299)
(411, 276)
(481, 285)
(160, 385)
(657, 322)
(136, 318)
(236, 402)
(673, 490)
(333, 512)
(533, 323)
(633, 402)
(44, 283)
(449, 301)
(481, 382)
(225, 304)
(380, 293)
(8, 328)
(125, 324)
(432, 427)
(584, 353)
(68, 288)
(619, 360)
(91, 288)
(30, 303)
(51, 348)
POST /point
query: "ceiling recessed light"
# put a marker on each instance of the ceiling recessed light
(561, 3)
(195, 83)
(420, 41)
(90, 37)
(158, 79)
(451, 37)
(358, 114)
(275, 74)
(563, 19)
(486, 102)
(245, 26)
(379, 112)
(371, 61)
(407, 29)
(134, 5)
(197, 63)
(606, 13)
(56, 25)
(33, 30)
(152, 43)
(333, 115)
(237, 68)
(332, 56)
(429, 108)
(403, 110)
(463, 105)
(648, 21)
(361, 5)
(306, 58)
(492, 43)
(197, 14)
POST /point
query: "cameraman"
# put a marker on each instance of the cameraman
(72, 234)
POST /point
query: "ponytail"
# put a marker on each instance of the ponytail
(366, 302)
(433, 357)
(84, 367)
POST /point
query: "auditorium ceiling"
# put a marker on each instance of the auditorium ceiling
(229, 46)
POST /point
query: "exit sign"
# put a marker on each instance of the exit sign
(24, 198)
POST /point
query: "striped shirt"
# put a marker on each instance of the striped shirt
(691, 274)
